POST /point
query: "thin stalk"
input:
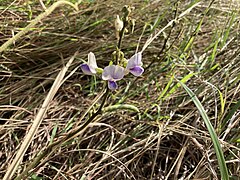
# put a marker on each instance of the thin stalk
(121, 35)
(120, 41)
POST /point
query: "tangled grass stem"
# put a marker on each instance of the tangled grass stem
(71, 135)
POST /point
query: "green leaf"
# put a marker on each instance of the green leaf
(213, 135)
(183, 80)
(54, 132)
(232, 111)
(238, 141)
(166, 88)
(35, 177)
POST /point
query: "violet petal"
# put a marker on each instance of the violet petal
(113, 72)
(86, 69)
(112, 85)
(135, 60)
(137, 70)
(92, 63)
(118, 73)
(107, 71)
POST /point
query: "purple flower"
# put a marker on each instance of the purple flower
(89, 68)
(134, 64)
(112, 74)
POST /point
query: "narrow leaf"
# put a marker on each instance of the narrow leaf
(213, 135)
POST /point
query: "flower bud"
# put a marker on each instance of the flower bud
(125, 62)
(99, 70)
(132, 24)
(118, 24)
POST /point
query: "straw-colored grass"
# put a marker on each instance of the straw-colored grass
(150, 127)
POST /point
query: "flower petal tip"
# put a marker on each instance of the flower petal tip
(112, 85)
(86, 69)
(92, 61)
(137, 70)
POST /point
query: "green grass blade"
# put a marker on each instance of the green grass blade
(226, 34)
(166, 88)
(54, 132)
(216, 144)
(222, 101)
(183, 80)
(232, 111)
(157, 22)
(196, 31)
(214, 52)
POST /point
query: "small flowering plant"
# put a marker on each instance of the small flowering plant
(114, 73)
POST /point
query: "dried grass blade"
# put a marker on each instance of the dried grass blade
(37, 121)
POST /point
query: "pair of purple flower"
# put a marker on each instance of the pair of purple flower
(113, 73)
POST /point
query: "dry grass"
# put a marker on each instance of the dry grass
(167, 139)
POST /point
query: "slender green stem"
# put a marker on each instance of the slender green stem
(70, 136)
(121, 35)
(120, 42)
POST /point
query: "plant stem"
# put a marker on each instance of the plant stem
(121, 34)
